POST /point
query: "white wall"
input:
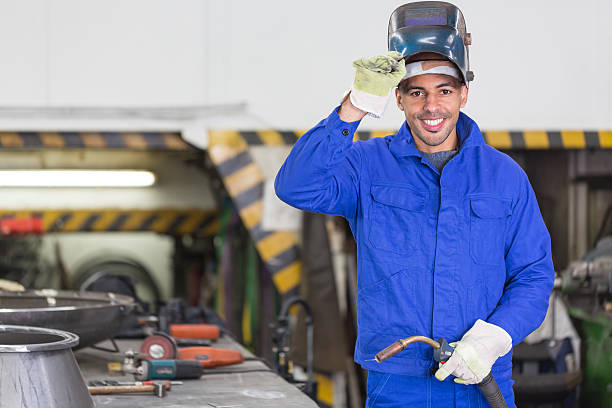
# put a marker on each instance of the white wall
(538, 64)
(109, 53)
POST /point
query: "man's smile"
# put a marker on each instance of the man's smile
(433, 125)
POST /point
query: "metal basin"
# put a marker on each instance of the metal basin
(38, 369)
(93, 316)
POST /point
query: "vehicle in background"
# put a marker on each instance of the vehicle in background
(84, 257)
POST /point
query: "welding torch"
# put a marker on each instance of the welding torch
(442, 352)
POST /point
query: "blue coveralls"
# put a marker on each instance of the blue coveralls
(435, 251)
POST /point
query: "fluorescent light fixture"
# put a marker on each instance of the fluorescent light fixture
(76, 178)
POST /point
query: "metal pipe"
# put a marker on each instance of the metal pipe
(401, 344)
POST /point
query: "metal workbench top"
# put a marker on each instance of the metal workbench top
(263, 389)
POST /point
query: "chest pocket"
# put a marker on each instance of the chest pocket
(488, 219)
(397, 216)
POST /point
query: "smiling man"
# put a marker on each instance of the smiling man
(431, 102)
(450, 240)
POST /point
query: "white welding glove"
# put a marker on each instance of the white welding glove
(476, 353)
(375, 78)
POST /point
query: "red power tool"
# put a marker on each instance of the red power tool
(160, 346)
(180, 331)
(194, 331)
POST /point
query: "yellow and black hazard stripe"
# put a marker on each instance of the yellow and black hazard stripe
(245, 184)
(93, 140)
(166, 221)
(325, 389)
(270, 137)
(511, 140)
(563, 139)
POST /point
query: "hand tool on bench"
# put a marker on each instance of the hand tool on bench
(144, 369)
(163, 347)
(100, 383)
(158, 389)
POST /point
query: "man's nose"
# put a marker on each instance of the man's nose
(432, 103)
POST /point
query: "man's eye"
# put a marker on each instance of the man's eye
(446, 92)
(416, 93)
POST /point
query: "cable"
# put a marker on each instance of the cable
(263, 360)
(227, 333)
(255, 370)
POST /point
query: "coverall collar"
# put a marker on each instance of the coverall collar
(402, 143)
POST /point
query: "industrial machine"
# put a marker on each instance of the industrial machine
(562, 370)
(586, 286)
(282, 352)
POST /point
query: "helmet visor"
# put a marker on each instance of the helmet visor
(442, 40)
(431, 27)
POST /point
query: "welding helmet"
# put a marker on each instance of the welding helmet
(431, 27)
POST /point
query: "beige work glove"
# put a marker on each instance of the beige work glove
(476, 353)
(375, 79)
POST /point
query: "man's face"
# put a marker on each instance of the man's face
(431, 103)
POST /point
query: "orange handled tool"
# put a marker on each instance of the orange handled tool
(210, 357)
(163, 347)
(194, 331)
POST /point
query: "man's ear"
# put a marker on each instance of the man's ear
(398, 99)
(464, 95)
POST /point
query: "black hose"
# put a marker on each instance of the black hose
(491, 391)
(442, 352)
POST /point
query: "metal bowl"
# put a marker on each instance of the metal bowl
(93, 316)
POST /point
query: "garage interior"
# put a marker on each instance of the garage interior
(200, 256)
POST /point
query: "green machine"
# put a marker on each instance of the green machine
(587, 288)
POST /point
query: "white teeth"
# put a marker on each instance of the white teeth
(434, 122)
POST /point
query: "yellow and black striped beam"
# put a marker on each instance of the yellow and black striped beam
(245, 184)
(564, 139)
(325, 390)
(503, 140)
(93, 140)
(164, 221)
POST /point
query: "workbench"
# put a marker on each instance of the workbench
(262, 389)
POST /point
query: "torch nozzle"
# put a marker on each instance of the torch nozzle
(401, 344)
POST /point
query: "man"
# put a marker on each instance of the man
(450, 240)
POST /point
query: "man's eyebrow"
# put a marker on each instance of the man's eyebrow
(442, 85)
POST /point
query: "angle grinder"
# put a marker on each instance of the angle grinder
(160, 346)
(145, 369)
